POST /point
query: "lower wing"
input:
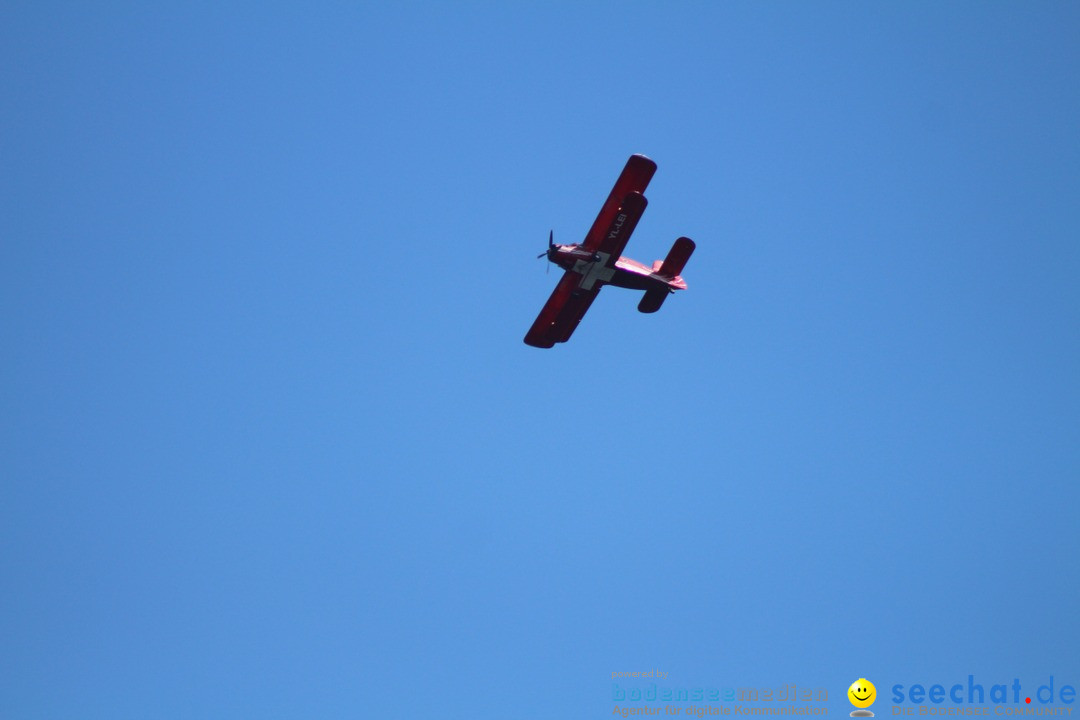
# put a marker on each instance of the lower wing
(562, 312)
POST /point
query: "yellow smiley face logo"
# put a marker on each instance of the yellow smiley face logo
(862, 693)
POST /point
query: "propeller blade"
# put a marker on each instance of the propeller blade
(551, 246)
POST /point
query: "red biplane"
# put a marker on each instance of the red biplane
(596, 262)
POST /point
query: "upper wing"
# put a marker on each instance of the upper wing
(562, 312)
(622, 226)
(634, 178)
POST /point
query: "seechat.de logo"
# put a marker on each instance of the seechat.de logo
(862, 694)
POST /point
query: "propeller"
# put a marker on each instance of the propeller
(551, 246)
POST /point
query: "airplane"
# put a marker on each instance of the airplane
(597, 261)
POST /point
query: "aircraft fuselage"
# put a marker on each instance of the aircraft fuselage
(597, 267)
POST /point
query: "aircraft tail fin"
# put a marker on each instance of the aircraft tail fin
(668, 270)
(676, 258)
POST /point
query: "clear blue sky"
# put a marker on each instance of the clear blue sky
(271, 444)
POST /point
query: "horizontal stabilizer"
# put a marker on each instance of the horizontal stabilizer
(676, 258)
(653, 299)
